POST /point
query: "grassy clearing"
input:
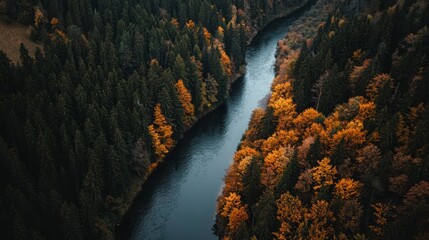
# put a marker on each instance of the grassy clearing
(11, 36)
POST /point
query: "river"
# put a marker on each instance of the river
(179, 200)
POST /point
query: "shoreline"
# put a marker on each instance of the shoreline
(138, 185)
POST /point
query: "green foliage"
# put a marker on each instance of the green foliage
(289, 178)
(265, 222)
(74, 119)
(362, 169)
(251, 181)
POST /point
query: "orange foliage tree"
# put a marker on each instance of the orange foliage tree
(380, 215)
(347, 188)
(353, 135)
(226, 61)
(290, 214)
(161, 133)
(243, 157)
(279, 139)
(273, 167)
(185, 99)
(324, 174)
(282, 90)
(190, 24)
(235, 211)
(207, 36)
(305, 180)
(417, 193)
(358, 72)
(253, 129)
(306, 119)
(284, 111)
(320, 217)
(376, 84)
(366, 111)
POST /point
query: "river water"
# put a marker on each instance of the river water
(179, 200)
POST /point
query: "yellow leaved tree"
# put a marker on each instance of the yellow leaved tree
(185, 99)
(161, 133)
(235, 211)
(290, 214)
(225, 60)
(347, 188)
(324, 174)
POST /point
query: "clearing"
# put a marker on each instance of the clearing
(11, 36)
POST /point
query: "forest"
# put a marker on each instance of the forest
(341, 149)
(86, 119)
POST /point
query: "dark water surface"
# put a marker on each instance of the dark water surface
(178, 201)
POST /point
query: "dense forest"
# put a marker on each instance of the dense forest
(341, 149)
(86, 119)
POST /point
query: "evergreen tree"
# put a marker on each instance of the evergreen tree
(289, 178)
(251, 183)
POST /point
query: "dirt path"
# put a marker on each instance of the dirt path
(11, 36)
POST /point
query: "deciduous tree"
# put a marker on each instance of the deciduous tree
(185, 99)
(161, 133)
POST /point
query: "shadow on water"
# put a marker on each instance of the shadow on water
(210, 126)
(178, 200)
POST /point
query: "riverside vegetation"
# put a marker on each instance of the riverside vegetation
(341, 151)
(116, 85)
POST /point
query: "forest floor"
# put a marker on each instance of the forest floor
(11, 36)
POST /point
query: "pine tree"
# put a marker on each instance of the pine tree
(264, 222)
(303, 82)
(251, 183)
(290, 177)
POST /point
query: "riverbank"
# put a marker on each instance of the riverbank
(285, 13)
(146, 187)
(307, 165)
(138, 184)
(301, 31)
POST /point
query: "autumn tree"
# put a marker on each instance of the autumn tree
(380, 218)
(161, 133)
(321, 218)
(226, 61)
(243, 158)
(235, 211)
(273, 167)
(186, 101)
(305, 119)
(313, 151)
(290, 213)
(324, 174)
(359, 76)
(368, 158)
(284, 111)
(350, 215)
(379, 89)
(347, 189)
